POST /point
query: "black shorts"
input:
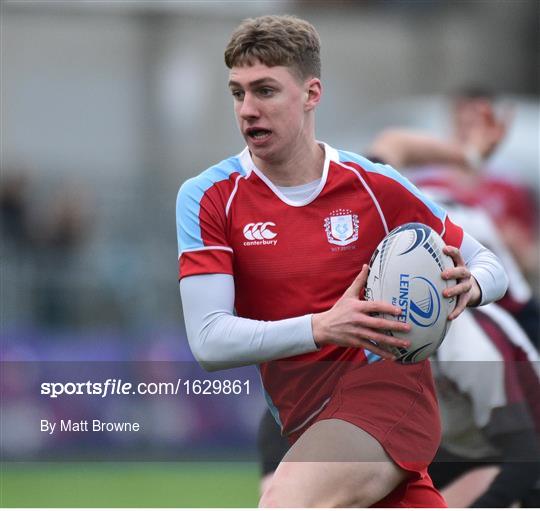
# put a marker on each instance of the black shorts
(271, 445)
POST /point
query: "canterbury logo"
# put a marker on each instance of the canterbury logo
(259, 231)
(260, 234)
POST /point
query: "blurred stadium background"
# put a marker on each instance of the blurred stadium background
(107, 107)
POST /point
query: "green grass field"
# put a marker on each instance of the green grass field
(100, 484)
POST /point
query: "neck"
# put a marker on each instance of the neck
(304, 164)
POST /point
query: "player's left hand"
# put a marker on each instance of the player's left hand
(466, 289)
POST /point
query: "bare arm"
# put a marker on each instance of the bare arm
(406, 148)
(401, 147)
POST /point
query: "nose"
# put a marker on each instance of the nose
(249, 108)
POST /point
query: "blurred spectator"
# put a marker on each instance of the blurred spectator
(14, 209)
(64, 227)
(41, 236)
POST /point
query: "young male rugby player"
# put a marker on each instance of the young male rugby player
(271, 243)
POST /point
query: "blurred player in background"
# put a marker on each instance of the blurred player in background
(479, 126)
(277, 234)
(487, 375)
(491, 413)
(510, 204)
(454, 172)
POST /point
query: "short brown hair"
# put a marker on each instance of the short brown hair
(276, 41)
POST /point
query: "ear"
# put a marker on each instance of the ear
(313, 90)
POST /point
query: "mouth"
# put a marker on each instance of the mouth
(258, 135)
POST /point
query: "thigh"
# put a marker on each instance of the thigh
(333, 464)
(395, 404)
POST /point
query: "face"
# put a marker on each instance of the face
(468, 114)
(272, 108)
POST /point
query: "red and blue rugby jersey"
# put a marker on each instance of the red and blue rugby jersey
(293, 258)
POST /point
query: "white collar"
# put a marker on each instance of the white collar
(330, 154)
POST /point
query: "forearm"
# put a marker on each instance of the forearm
(486, 268)
(405, 148)
(220, 340)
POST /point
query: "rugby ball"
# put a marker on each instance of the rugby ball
(405, 270)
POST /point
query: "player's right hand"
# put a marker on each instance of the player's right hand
(351, 322)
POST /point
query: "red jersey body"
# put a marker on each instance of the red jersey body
(294, 258)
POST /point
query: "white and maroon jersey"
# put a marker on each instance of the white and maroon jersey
(291, 258)
(487, 376)
(465, 206)
(509, 204)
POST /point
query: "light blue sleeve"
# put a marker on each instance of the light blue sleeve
(221, 340)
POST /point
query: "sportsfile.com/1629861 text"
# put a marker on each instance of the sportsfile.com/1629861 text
(118, 387)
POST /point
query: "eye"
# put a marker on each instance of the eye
(266, 91)
(237, 94)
